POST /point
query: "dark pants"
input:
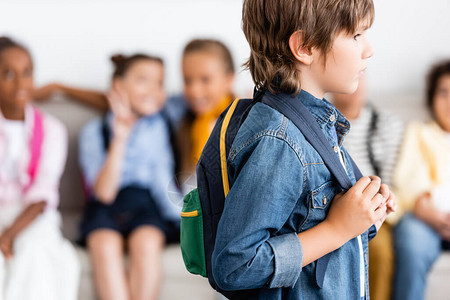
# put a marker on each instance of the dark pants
(133, 207)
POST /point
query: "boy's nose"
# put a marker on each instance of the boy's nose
(368, 51)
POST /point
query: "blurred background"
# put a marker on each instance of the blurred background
(72, 40)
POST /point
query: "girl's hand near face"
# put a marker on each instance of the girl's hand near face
(124, 117)
(108, 181)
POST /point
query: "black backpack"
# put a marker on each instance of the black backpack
(204, 205)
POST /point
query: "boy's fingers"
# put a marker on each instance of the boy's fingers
(391, 201)
(361, 184)
(372, 188)
(391, 209)
(376, 201)
(380, 212)
(384, 190)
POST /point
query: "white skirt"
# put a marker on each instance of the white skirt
(44, 265)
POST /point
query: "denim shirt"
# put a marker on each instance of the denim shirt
(281, 187)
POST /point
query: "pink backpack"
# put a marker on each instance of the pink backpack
(35, 145)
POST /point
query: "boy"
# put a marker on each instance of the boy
(278, 219)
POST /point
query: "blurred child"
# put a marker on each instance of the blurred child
(127, 163)
(36, 262)
(422, 179)
(374, 142)
(208, 73)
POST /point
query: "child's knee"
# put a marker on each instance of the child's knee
(147, 239)
(105, 242)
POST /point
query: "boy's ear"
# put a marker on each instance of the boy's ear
(301, 53)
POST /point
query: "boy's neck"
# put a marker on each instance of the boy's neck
(316, 93)
(351, 112)
(308, 85)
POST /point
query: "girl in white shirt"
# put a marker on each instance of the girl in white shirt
(36, 262)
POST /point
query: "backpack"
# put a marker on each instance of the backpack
(203, 206)
(35, 146)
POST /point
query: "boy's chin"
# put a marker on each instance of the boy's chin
(348, 90)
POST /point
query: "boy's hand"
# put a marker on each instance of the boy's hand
(354, 212)
(391, 202)
(391, 205)
(6, 245)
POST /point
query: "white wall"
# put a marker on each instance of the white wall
(72, 39)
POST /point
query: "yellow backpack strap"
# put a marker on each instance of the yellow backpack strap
(223, 152)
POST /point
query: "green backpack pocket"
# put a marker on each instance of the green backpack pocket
(191, 239)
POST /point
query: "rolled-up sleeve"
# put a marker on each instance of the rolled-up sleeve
(288, 253)
(249, 251)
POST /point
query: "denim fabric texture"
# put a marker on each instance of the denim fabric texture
(280, 187)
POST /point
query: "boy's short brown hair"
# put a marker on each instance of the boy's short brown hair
(268, 25)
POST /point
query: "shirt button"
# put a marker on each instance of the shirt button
(336, 149)
(332, 118)
(324, 200)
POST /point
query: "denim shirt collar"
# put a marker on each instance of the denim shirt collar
(326, 114)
